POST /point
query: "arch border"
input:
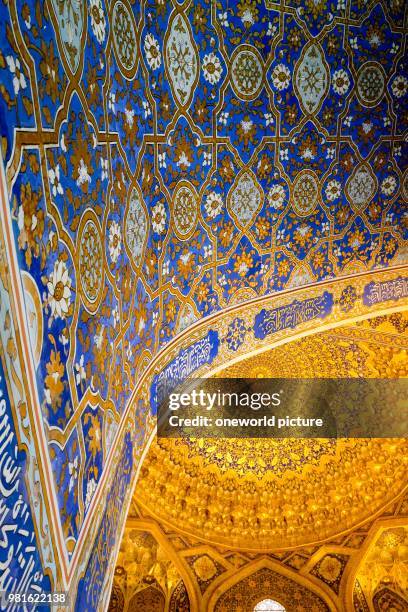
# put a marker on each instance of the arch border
(220, 320)
(379, 526)
(222, 585)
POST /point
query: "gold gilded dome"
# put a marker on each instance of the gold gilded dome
(271, 494)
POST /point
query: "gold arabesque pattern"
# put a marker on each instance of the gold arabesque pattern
(260, 494)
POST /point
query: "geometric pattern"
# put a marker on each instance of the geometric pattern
(291, 594)
(295, 491)
(343, 573)
(164, 162)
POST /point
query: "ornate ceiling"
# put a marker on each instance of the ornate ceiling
(270, 494)
(365, 570)
(386, 563)
(322, 525)
(167, 164)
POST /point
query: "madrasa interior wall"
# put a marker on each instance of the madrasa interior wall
(182, 183)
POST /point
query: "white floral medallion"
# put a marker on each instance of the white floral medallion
(245, 198)
(312, 79)
(185, 209)
(305, 193)
(124, 38)
(181, 60)
(90, 256)
(70, 17)
(370, 84)
(246, 72)
(136, 227)
(361, 187)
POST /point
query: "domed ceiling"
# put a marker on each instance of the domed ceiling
(164, 161)
(271, 494)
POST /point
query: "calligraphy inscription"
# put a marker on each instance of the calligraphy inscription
(188, 360)
(290, 316)
(375, 293)
(20, 565)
